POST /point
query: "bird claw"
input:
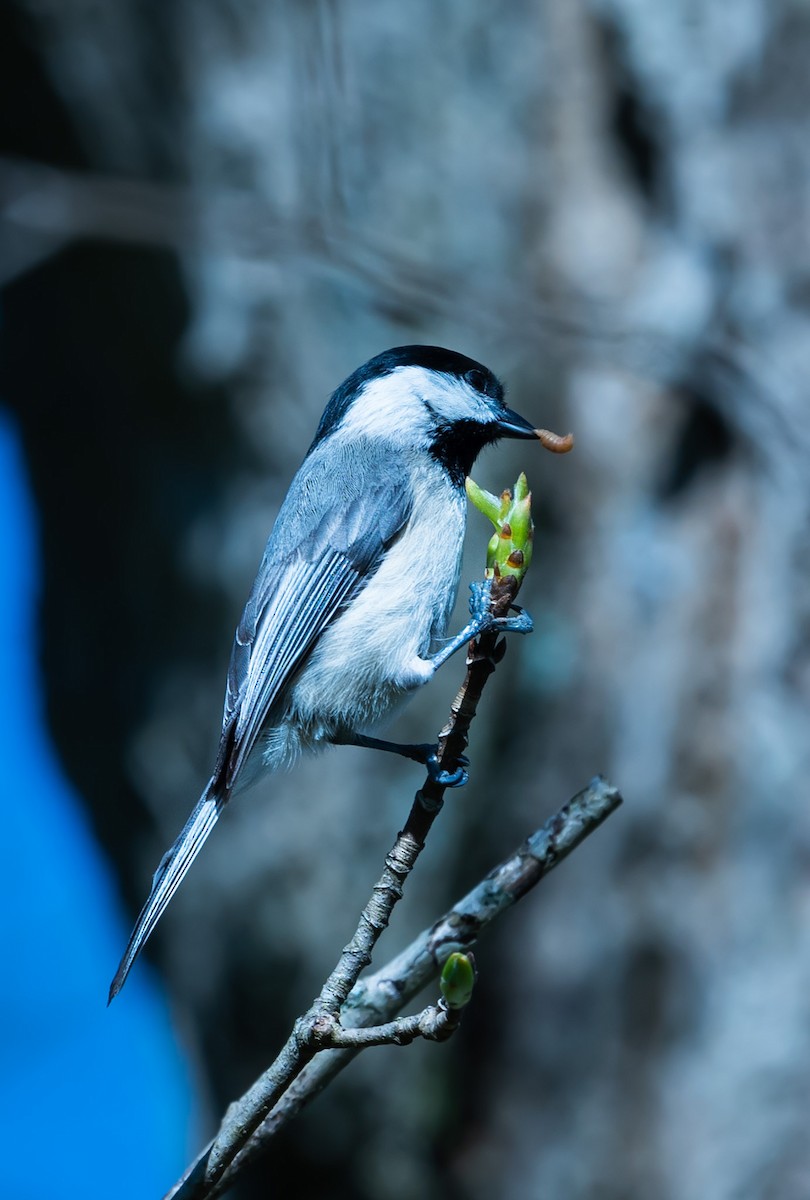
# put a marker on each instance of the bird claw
(481, 591)
(521, 622)
(449, 779)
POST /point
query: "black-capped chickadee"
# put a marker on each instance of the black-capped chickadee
(349, 610)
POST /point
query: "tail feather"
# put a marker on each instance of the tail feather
(167, 878)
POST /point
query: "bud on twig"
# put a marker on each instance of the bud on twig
(510, 549)
(458, 980)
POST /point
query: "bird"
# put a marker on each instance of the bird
(349, 611)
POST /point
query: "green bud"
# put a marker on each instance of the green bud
(521, 487)
(510, 550)
(458, 980)
(484, 501)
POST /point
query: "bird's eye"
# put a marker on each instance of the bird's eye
(477, 380)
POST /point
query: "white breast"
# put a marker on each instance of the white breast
(378, 650)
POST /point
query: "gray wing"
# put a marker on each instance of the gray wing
(333, 529)
(330, 536)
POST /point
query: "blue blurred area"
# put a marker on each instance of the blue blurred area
(97, 1099)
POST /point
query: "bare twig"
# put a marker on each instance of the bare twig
(376, 1000)
(460, 928)
(435, 1023)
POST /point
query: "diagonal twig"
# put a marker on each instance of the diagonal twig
(379, 997)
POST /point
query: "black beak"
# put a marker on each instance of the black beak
(511, 424)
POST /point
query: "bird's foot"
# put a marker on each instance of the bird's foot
(449, 779)
(484, 622)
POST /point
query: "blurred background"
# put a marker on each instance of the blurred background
(209, 215)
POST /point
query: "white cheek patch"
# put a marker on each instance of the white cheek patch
(394, 406)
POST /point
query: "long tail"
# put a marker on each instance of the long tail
(167, 878)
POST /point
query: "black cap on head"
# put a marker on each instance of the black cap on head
(431, 358)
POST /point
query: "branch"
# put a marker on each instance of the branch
(435, 1023)
(382, 994)
(376, 1000)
